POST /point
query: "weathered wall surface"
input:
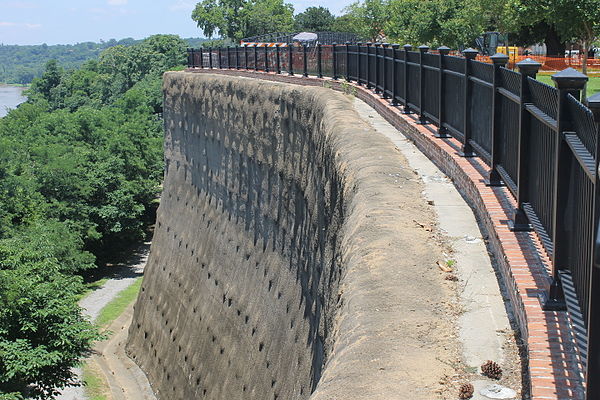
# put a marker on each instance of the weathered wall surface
(277, 265)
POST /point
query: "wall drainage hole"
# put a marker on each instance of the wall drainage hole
(222, 350)
(261, 346)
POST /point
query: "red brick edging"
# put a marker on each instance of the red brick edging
(552, 360)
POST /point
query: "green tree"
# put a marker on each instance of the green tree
(236, 19)
(370, 16)
(567, 20)
(315, 19)
(42, 332)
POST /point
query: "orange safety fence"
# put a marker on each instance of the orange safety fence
(554, 64)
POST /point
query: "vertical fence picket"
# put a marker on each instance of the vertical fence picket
(358, 77)
(255, 57)
(377, 61)
(290, 59)
(319, 61)
(499, 60)
(210, 58)
(442, 132)
(266, 58)
(395, 48)
(246, 57)
(467, 149)
(334, 61)
(237, 57)
(422, 50)
(384, 82)
(368, 77)
(347, 47)
(407, 48)
(277, 59)
(304, 60)
(228, 58)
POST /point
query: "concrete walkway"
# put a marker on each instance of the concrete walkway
(120, 278)
(484, 327)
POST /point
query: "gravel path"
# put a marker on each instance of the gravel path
(121, 276)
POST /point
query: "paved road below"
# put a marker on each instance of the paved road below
(121, 276)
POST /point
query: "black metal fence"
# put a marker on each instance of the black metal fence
(539, 141)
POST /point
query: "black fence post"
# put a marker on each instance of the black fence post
(422, 50)
(347, 61)
(277, 59)
(567, 82)
(467, 149)
(319, 61)
(499, 60)
(255, 56)
(334, 60)
(407, 48)
(201, 58)
(442, 132)
(593, 322)
(369, 86)
(384, 82)
(266, 58)
(290, 59)
(219, 58)
(228, 57)
(520, 222)
(210, 58)
(237, 57)
(246, 57)
(304, 60)
(376, 89)
(358, 80)
(395, 47)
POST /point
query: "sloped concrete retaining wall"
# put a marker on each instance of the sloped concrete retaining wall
(272, 267)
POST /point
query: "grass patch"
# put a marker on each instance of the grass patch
(593, 85)
(94, 386)
(112, 310)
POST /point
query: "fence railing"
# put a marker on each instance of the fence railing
(541, 142)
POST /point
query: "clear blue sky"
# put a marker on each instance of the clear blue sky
(70, 21)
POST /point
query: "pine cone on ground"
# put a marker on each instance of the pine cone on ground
(491, 369)
(466, 391)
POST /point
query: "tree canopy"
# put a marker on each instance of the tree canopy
(457, 23)
(80, 168)
(315, 19)
(237, 19)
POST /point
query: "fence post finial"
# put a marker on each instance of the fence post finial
(569, 80)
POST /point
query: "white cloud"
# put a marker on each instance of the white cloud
(117, 2)
(16, 25)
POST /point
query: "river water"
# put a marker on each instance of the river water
(10, 97)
